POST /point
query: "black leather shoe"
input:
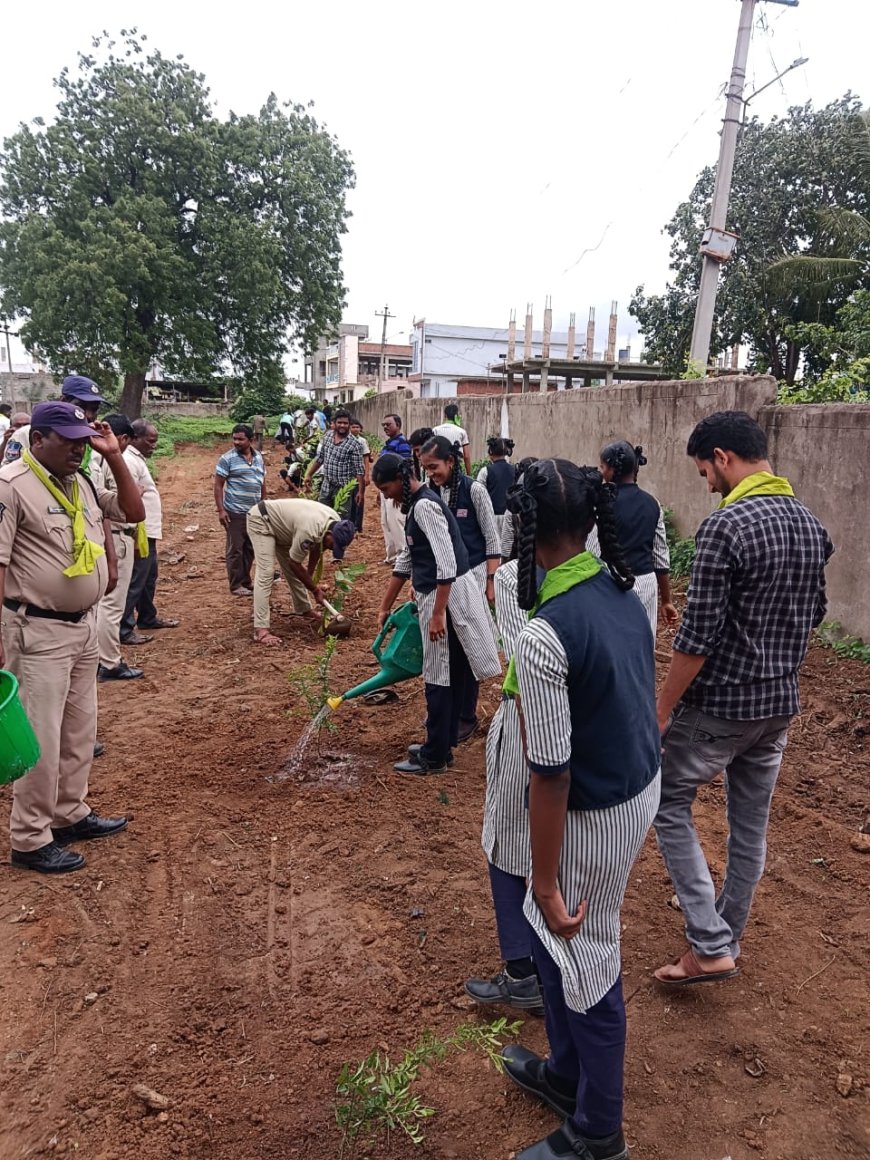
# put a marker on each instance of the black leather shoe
(467, 729)
(418, 767)
(414, 754)
(99, 749)
(93, 826)
(567, 1144)
(120, 672)
(524, 994)
(50, 859)
(529, 1071)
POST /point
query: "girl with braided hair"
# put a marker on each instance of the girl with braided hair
(498, 475)
(470, 504)
(640, 524)
(458, 642)
(585, 673)
(416, 440)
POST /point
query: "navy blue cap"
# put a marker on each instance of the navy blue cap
(66, 419)
(342, 534)
(84, 389)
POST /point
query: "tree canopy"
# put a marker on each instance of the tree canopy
(786, 172)
(138, 226)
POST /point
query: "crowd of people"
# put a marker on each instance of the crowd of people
(555, 572)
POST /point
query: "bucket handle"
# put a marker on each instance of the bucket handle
(389, 627)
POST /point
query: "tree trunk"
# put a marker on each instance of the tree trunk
(792, 361)
(131, 396)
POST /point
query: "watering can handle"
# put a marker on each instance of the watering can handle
(378, 642)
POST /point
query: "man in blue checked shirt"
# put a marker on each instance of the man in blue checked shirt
(239, 483)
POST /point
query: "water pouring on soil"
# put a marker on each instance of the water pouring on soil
(299, 751)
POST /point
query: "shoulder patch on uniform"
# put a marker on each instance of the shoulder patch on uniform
(2, 510)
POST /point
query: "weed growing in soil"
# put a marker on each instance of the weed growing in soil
(311, 684)
(375, 1098)
(345, 578)
(833, 636)
(682, 550)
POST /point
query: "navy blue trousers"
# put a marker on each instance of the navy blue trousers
(444, 704)
(514, 932)
(587, 1048)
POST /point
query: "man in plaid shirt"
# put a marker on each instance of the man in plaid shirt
(756, 593)
(341, 458)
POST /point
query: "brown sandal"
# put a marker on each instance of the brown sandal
(695, 973)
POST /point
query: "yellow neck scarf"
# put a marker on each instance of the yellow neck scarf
(85, 552)
(760, 483)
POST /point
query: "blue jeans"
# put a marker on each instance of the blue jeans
(697, 748)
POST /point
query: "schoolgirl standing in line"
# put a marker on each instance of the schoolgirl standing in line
(508, 537)
(469, 502)
(498, 475)
(640, 526)
(458, 641)
(416, 440)
(585, 672)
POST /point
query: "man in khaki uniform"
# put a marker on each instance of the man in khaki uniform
(110, 610)
(53, 573)
(295, 532)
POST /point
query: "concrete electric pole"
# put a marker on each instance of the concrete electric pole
(718, 244)
(385, 314)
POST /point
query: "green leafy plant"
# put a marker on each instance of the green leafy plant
(833, 636)
(477, 465)
(204, 431)
(311, 685)
(374, 1097)
(695, 369)
(342, 498)
(682, 549)
(375, 441)
(345, 578)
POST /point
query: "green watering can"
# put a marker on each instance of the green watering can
(19, 749)
(398, 649)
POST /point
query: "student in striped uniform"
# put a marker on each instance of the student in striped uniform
(458, 641)
(415, 441)
(585, 671)
(505, 838)
(469, 502)
(640, 526)
(498, 476)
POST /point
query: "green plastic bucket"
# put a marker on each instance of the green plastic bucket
(19, 749)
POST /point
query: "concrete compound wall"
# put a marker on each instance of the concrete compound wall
(25, 389)
(820, 448)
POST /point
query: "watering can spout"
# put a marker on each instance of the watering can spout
(334, 702)
(398, 649)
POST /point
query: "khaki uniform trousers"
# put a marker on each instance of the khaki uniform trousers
(393, 527)
(266, 553)
(56, 666)
(110, 610)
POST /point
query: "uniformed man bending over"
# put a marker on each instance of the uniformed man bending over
(53, 573)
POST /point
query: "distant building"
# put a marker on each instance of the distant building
(348, 367)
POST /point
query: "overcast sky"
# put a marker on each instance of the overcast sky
(504, 151)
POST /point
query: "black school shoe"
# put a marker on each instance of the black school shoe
(530, 1072)
(50, 859)
(566, 1144)
(524, 994)
(93, 826)
(120, 672)
(418, 767)
(414, 754)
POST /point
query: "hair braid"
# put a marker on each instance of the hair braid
(405, 471)
(453, 500)
(608, 539)
(527, 576)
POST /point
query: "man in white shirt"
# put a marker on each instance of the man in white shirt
(453, 433)
(140, 611)
(5, 415)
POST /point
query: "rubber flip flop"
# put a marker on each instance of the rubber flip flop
(694, 973)
(381, 697)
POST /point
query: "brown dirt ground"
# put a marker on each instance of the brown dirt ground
(245, 937)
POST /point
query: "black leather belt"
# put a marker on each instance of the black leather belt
(131, 532)
(262, 509)
(45, 613)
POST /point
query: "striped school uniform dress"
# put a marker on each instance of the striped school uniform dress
(505, 837)
(476, 518)
(646, 552)
(498, 477)
(585, 668)
(469, 614)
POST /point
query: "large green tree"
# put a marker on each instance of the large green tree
(138, 226)
(785, 172)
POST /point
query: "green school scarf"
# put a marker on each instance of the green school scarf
(560, 579)
(761, 483)
(85, 551)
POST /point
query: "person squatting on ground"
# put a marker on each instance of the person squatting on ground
(53, 573)
(498, 476)
(756, 593)
(458, 641)
(471, 506)
(452, 430)
(340, 457)
(505, 837)
(127, 538)
(294, 533)
(584, 670)
(392, 520)
(141, 611)
(358, 506)
(239, 482)
(640, 526)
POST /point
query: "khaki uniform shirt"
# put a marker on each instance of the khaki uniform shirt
(298, 524)
(138, 466)
(36, 541)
